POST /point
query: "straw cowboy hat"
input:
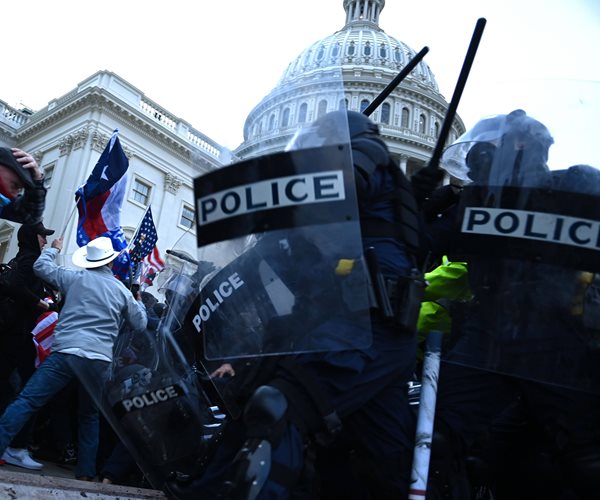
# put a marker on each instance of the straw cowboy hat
(95, 254)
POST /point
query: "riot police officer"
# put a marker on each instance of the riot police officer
(520, 345)
(302, 401)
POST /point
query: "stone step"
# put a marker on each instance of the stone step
(32, 485)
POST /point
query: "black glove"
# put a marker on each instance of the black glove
(439, 201)
(425, 181)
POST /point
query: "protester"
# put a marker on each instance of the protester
(22, 191)
(20, 309)
(95, 305)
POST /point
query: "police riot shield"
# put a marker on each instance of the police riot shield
(283, 234)
(528, 226)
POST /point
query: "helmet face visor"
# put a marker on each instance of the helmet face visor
(489, 152)
(305, 138)
(330, 129)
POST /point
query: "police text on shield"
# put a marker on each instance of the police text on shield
(319, 187)
(216, 298)
(151, 398)
(553, 228)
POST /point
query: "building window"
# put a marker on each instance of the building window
(302, 113)
(351, 49)
(397, 55)
(272, 121)
(307, 57)
(385, 113)
(364, 104)
(187, 217)
(436, 129)
(422, 123)
(343, 105)
(367, 49)
(140, 192)
(405, 118)
(48, 173)
(322, 109)
(285, 121)
(336, 50)
(320, 53)
(382, 51)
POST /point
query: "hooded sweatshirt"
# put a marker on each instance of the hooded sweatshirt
(27, 289)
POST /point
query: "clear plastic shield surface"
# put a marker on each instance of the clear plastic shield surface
(282, 231)
(278, 287)
(528, 225)
(179, 283)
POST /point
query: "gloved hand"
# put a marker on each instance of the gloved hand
(425, 181)
(439, 201)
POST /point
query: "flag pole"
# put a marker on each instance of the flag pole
(64, 229)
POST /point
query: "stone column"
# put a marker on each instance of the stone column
(170, 204)
(403, 163)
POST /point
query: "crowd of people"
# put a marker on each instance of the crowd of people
(339, 424)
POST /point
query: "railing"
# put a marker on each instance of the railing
(159, 114)
(201, 141)
(171, 122)
(12, 116)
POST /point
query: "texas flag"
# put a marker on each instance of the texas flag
(99, 202)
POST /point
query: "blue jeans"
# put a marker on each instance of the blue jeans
(53, 375)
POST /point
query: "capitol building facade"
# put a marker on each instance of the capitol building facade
(347, 69)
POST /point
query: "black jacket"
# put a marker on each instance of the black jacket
(27, 289)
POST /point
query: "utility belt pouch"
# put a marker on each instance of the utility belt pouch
(406, 294)
(378, 285)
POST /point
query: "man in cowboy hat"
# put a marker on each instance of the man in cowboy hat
(22, 191)
(95, 305)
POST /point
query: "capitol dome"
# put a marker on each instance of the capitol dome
(360, 43)
(366, 59)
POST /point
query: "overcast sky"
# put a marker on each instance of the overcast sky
(210, 63)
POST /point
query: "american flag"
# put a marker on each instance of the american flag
(145, 239)
(144, 253)
(150, 266)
